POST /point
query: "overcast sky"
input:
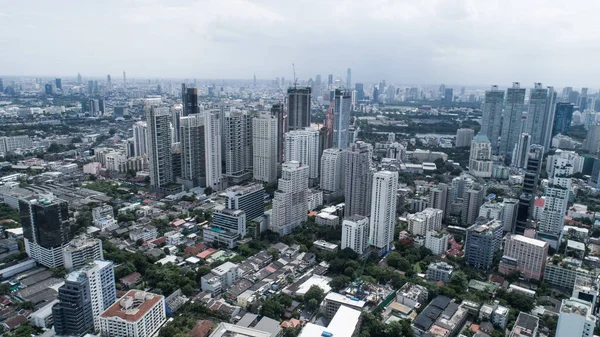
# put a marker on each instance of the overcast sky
(472, 42)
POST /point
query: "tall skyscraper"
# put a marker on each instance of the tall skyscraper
(538, 114)
(492, 116)
(73, 314)
(58, 83)
(448, 95)
(264, 143)
(290, 202)
(438, 197)
(303, 146)
(480, 157)
(189, 99)
(472, 201)
(519, 157)
(277, 111)
(329, 81)
(548, 122)
(46, 228)
(555, 208)
(358, 178)
(332, 171)
(212, 140)
(124, 79)
(299, 104)
(101, 278)
(158, 119)
(348, 78)
(530, 181)
(562, 118)
(193, 156)
(176, 114)
(341, 118)
(513, 115)
(79, 79)
(238, 146)
(108, 82)
(464, 137)
(360, 91)
(355, 233)
(591, 143)
(383, 209)
(140, 132)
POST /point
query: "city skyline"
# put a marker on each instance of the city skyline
(445, 42)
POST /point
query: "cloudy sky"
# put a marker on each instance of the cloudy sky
(470, 42)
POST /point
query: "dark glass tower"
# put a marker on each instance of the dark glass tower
(562, 118)
(73, 314)
(189, 99)
(298, 115)
(530, 182)
(45, 221)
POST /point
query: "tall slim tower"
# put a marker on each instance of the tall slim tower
(332, 171)
(530, 181)
(193, 156)
(341, 118)
(189, 99)
(562, 118)
(140, 132)
(349, 78)
(158, 119)
(264, 143)
(303, 146)
(277, 111)
(212, 140)
(383, 209)
(536, 113)
(519, 157)
(358, 178)
(550, 113)
(290, 203)
(513, 115)
(299, 104)
(238, 146)
(492, 115)
(124, 79)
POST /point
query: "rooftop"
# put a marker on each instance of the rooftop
(524, 239)
(353, 302)
(133, 305)
(342, 324)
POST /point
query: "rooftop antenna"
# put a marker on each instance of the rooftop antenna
(295, 79)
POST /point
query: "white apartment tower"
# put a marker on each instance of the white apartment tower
(576, 319)
(519, 157)
(159, 146)
(383, 209)
(140, 132)
(101, 277)
(332, 171)
(291, 199)
(480, 157)
(555, 207)
(264, 143)
(137, 314)
(191, 138)
(212, 141)
(303, 146)
(430, 219)
(238, 146)
(355, 233)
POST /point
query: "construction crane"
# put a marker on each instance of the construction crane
(295, 79)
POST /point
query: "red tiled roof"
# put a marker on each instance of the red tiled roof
(201, 329)
(539, 202)
(195, 249)
(115, 309)
(131, 278)
(207, 253)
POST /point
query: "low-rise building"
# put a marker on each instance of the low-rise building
(439, 271)
(436, 242)
(412, 295)
(324, 245)
(525, 326)
(333, 301)
(562, 272)
(219, 278)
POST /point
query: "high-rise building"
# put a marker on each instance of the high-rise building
(480, 157)
(428, 220)
(212, 141)
(355, 233)
(248, 198)
(562, 118)
(519, 157)
(591, 143)
(58, 83)
(438, 197)
(277, 111)
(436, 242)
(265, 148)
(73, 314)
(189, 99)
(511, 207)
(360, 91)
(176, 114)
(332, 171)
(482, 242)
(79, 79)
(303, 146)
(140, 132)
(448, 95)
(137, 314)
(159, 147)
(383, 209)
(349, 78)
(472, 201)
(329, 80)
(525, 255)
(193, 156)
(555, 207)
(492, 116)
(81, 250)
(576, 318)
(290, 202)
(46, 228)
(530, 182)
(238, 146)
(464, 137)
(548, 122)
(299, 104)
(512, 120)
(540, 114)
(358, 178)
(341, 118)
